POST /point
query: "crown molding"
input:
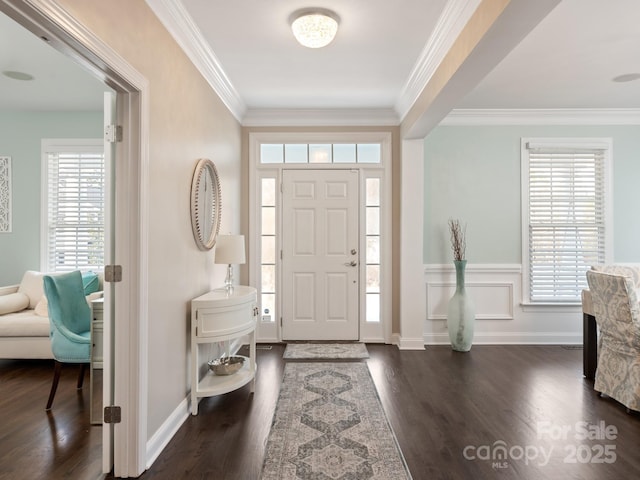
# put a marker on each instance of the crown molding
(454, 17)
(185, 32)
(321, 117)
(543, 116)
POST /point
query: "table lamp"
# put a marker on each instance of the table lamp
(230, 250)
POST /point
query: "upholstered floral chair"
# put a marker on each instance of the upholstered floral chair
(617, 311)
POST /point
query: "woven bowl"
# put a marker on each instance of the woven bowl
(226, 365)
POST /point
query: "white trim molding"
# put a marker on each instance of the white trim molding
(161, 438)
(453, 19)
(412, 291)
(186, 33)
(275, 117)
(500, 317)
(497, 299)
(542, 116)
(321, 117)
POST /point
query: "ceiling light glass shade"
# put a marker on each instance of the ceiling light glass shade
(314, 28)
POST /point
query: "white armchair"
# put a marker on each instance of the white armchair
(617, 311)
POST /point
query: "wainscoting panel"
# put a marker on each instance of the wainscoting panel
(493, 300)
(501, 318)
(491, 287)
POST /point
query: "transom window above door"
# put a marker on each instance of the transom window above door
(337, 153)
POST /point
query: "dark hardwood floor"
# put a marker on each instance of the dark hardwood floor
(451, 413)
(35, 444)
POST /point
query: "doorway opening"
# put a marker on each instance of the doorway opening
(124, 448)
(320, 226)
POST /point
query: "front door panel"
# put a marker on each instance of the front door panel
(320, 269)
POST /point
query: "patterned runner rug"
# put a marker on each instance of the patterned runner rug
(329, 424)
(327, 351)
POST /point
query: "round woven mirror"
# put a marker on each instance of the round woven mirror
(206, 204)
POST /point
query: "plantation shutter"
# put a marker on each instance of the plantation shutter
(76, 202)
(566, 220)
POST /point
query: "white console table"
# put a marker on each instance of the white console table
(218, 316)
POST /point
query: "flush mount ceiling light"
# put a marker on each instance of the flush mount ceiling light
(314, 27)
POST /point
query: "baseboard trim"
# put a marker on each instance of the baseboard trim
(512, 338)
(410, 343)
(167, 430)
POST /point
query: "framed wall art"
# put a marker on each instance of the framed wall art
(5, 194)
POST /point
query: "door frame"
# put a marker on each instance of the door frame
(67, 35)
(271, 331)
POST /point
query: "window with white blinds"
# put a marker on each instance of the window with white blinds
(75, 204)
(565, 207)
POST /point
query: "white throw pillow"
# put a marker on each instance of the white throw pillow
(94, 296)
(14, 302)
(32, 286)
(42, 308)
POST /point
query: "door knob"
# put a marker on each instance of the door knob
(352, 263)
(353, 251)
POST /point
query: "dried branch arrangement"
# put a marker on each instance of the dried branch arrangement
(458, 240)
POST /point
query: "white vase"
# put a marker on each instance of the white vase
(461, 315)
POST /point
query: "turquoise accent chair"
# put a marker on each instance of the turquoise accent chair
(70, 320)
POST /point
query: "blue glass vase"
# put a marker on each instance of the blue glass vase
(461, 315)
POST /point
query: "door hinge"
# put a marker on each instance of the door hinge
(113, 273)
(112, 414)
(112, 133)
(280, 254)
(280, 322)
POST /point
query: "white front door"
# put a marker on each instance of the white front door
(320, 255)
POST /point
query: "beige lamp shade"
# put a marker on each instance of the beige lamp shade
(230, 249)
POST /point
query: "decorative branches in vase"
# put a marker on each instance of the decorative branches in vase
(458, 239)
(460, 310)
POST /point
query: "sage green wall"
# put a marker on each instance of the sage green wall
(473, 174)
(20, 138)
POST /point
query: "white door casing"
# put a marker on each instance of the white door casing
(66, 34)
(108, 370)
(266, 231)
(320, 255)
(69, 36)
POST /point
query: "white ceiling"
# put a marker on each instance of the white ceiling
(569, 61)
(58, 82)
(366, 66)
(377, 62)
